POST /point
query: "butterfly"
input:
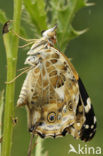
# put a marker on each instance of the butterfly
(55, 98)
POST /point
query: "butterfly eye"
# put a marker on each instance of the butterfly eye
(51, 117)
(42, 32)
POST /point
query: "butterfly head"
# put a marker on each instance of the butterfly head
(50, 35)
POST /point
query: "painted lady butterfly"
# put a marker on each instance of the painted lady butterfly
(54, 95)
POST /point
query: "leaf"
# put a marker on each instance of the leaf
(37, 12)
(3, 17)
(27, 23)
(54, 12)
(63, 13)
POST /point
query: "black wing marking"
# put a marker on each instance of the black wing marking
(89, 127)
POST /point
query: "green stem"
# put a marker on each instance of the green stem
(11, 52)
(1, 114)
(38, 151)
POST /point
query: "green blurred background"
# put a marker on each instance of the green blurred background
(86, 52)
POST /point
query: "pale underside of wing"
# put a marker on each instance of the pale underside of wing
(52, 88)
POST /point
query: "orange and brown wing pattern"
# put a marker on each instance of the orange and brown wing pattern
(54, 96)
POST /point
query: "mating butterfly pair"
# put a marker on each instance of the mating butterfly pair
(54, 95)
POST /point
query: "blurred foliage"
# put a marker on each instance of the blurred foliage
(63, 13)
(36, 10)
(3, 17)
(42, 15)
(87, 51)
(57, 12)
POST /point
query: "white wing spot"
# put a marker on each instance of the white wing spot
(60, 92)
(92, 126)
(94, 119)
(91, 134)
(86, 126)
(78, 124)
(88, 106)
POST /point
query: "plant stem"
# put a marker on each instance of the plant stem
(38, 151)
(1, 114)
(11, 53)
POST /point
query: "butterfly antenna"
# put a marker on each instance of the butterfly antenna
(23, 69)
(25, 45)
(22, 38)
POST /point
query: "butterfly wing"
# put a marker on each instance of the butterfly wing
(85, 125)
(56, 100)
(89, 127)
